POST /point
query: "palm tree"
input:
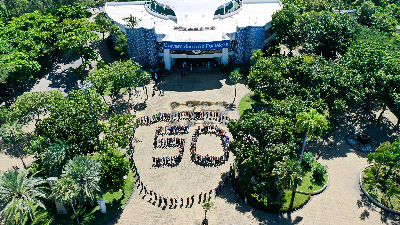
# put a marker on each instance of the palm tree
(66, 191)
(12, 133)
(57, 157)
(235, 77)
(132, 22)
(86, 172)
(310, 122)
(19, 195)
(256, 55)
(207, 207)
(290, 174)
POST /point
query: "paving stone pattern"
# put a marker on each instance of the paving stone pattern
(341, 203)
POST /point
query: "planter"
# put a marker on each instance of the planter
(371, 198)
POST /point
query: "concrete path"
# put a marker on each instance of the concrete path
(341, 203)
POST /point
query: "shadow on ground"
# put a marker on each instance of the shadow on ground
(193, 81)
(354, 120)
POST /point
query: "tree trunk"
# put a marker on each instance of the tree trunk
(280, 195)
(235, 90)
(205, 214)
(23, 163)
(75, 214)
(302, 149)
(293, 194)
(20, 156)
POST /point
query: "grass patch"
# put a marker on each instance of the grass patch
(250, 101)
(88, 214)
(308, 186)
(376, 193)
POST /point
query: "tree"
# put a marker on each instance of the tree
(100, 80)
(120, 42)
(207, 207)
(310, 122)
(20, 195)
(394, 11)
(119, 128)
(326, 33)
(77, 37)
(365, 12)
(260, 140)
(12, 133)
(132, 22)
(32, 104)
(57, 156)
(114, 167)
(103, 23)
(256, 55)
(66, 190)
(86, 173)
(73, 12)
(290, 174)
(5, 115)
(235, 77)
(384, 171)
(385, 159)
(70, 120)
(119, 75)
(283, 25)
(384, 22)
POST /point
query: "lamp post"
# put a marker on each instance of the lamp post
(86, 85)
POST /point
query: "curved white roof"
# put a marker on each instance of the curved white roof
(194, 13)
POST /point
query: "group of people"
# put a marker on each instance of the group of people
(175, 201)
(207, 158)
(170, 130)
(168, 161)
(188, 115)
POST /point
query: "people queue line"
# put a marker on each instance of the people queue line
(174, 201)
(185, 115)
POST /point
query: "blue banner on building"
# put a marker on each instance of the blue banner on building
(196, 45)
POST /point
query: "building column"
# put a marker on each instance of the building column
(167, 59)
(224, 56)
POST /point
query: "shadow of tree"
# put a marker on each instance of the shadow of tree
(354, 119)
(16, 151)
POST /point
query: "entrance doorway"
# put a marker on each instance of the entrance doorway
(202, 64)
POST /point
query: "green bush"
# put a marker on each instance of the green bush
(318, 171)
(308, 160)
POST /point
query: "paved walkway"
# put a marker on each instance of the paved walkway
(341, 203)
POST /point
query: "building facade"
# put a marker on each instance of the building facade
(169, 30)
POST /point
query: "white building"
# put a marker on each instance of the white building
(212, 30)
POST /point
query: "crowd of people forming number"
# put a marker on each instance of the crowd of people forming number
(203, 196)
(207, 159)
(169, 142)
(185, 115)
